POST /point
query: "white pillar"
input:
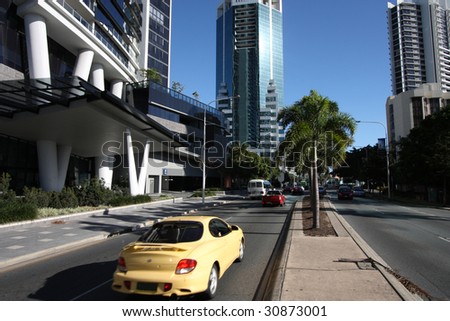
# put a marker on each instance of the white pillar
(63, 153)
(134, 188)
(53, 163)
(143, 169)
(37, 47)
(98, 76)
(83, 64)
(104, 166)
(117, 88)
(48, 165)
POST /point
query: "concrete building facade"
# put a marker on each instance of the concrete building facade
(66, 112)
(419, 40)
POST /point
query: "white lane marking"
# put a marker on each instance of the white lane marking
(446, 239)
(91, 290)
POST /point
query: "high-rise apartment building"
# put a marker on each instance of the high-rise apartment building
(66, 113)
(419, 39)
(250, 65)
(155, 47)
(419, 43)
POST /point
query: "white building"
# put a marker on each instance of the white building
(64, 70)
(419, 39)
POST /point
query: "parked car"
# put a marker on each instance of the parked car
(322, 191)
(359, 191)
(274, 197)
(179, 256)
(298, 190)
(345, 192)
(287, 189)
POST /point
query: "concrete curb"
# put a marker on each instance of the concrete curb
(87, 213)
(49, 252)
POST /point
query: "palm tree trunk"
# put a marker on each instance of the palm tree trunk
(314, 191)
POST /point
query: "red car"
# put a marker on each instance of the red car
(345, 193)
(274, 197)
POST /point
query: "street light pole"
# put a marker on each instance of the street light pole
(204, 144)
(387, 152)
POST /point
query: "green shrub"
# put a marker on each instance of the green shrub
(5, 180)
(54, 200)
(123, 200)
(207, 193)
(93, 193)
(68, 198)
(36, 196)
(5, 193)
(16, 211)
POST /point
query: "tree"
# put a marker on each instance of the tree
(151, 74)
(243, 164)
(177, 86)
(316, 128)
(424, 156)
(365, 164)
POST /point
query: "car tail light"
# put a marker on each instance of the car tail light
(185, 266)
(127, 284)
(121, 265)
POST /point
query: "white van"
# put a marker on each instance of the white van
(257, 188)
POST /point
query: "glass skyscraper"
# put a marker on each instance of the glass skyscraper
(250, 65)
(155, 49)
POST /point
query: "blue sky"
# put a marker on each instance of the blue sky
(338, 48)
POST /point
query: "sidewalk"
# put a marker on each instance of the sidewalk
(24, 241)
(334, 268)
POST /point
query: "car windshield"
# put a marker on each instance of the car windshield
(273, 193)
(173, 232)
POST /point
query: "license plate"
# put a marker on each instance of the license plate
(144, 286)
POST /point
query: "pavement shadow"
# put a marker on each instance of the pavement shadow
(67, 285)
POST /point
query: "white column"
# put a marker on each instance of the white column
(63, 153)
(83, 64)
(104, 165)
(53, 163)
(134, 188)
(37, 48)
(48, 164)
(143, 169)
(117, 88)
(98, 76)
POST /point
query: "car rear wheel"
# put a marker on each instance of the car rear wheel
(213, 282)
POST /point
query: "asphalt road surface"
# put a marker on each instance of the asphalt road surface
(413, 240)
(86, 273)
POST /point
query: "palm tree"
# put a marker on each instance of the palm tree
(316, 128)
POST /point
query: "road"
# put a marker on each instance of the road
(413, 240)
(85, 273)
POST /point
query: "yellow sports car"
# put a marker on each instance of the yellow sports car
(179, 256)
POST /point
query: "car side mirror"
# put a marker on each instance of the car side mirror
(234, 228)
